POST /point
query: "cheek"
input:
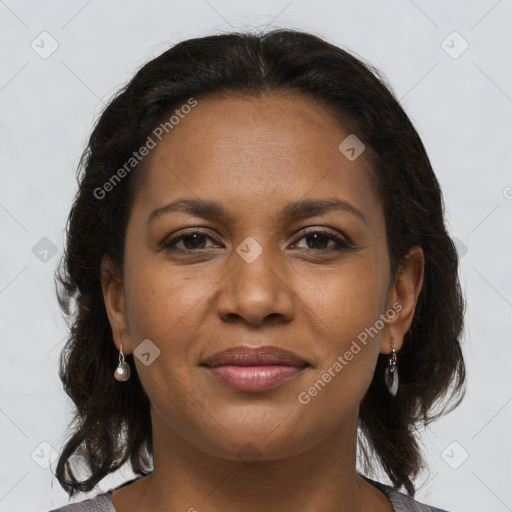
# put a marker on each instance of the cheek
(169, 305)
(160, 300)
(348, 355)
(163, 306)
(347, 308)
(347, 300)
(175, 308)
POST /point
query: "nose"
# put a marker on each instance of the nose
(256, 292)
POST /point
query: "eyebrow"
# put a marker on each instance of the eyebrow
(297, 209)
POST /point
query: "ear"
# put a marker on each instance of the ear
(402, 299)
(115, 304)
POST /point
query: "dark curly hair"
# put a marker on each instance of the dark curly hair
(111, 422)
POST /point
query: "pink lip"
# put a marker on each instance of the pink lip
(249, 368)
(245, 355)
(254, 378)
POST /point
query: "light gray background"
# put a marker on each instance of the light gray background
(462, 108)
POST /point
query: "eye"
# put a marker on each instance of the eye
(318, 241)
(191, 241)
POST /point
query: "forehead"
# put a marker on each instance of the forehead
(293, 122)
(252, 148)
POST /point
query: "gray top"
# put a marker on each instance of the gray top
(103, 502)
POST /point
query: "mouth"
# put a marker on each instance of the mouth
(254, 369)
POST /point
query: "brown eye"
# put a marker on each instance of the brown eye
(191, 241)
(319, 241)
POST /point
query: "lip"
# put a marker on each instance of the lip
(245, 355)
(254, 369)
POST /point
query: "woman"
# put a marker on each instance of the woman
(264, 286)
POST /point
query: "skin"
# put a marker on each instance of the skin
(253, 156)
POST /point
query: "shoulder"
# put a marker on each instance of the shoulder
(402, 502)
(100, 503)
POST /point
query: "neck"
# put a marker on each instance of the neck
(321, 479)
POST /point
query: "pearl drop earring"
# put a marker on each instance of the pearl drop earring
(122, 372)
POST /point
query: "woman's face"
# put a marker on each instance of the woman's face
(249, 270)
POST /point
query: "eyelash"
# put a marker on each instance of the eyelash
(342, 244)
